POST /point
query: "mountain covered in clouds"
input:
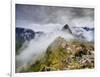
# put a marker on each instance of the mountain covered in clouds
(25, 35)
(32, 42)
(82, 33)
(53, 38)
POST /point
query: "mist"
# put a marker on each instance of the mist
(37, 46)
(33, 14)
(50, 20)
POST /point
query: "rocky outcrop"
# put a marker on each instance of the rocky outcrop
(75, 54)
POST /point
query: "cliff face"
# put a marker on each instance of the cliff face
(65, 55)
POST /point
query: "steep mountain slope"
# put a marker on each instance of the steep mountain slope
(64, 55)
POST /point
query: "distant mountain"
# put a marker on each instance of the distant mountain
(23, 35)
(88, 29)
(83, 33)
(66, 27)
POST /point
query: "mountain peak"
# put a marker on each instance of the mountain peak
(66, 27)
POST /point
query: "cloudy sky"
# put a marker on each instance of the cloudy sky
(36, 14)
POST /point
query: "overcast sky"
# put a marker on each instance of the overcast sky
(28, 14)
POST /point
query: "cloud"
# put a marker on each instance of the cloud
(50, 14)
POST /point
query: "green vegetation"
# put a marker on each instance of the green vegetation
(65, 55)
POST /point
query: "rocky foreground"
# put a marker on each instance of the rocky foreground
(64, 55)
